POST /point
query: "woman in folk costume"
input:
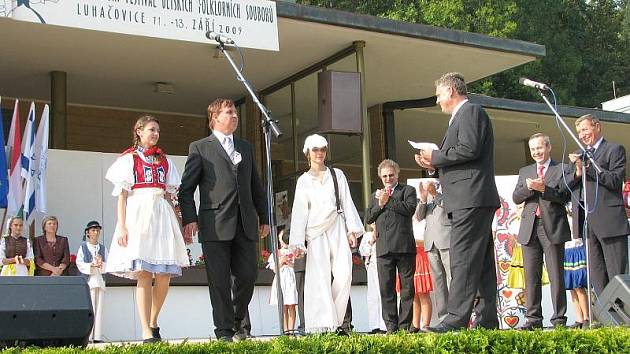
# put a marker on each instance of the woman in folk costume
(367, 249)
(148, 243)
(91, 260)
(16, 252)
(328, 228)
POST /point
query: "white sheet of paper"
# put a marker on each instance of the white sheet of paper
(423, 146)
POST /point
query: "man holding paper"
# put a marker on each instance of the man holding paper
(465, 160)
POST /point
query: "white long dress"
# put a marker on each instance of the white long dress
(155, 243)
(315, 220)
(374, 307)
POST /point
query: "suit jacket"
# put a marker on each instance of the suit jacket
(609, 217)
(466, 161)
(438, 229)
(225, 190)
(551, 202)
(393, 221)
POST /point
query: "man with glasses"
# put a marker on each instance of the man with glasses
(392, 208)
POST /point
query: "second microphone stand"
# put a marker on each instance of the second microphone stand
(586, 156)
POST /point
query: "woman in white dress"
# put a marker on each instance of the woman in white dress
(16, 253)
(317, 228)
(147, 244)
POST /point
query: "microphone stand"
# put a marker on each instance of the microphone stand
(586, 155)
(269, 126)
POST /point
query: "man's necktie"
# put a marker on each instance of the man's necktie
(390, 191)
(541, 175)
(229, 148)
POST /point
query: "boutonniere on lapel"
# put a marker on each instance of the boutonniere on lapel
(237, 157)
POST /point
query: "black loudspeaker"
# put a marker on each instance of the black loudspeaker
(613, 305)
(339, 102)
(45, 311)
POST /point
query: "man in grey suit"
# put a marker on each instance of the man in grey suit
(607, 224)
(392, 208)
(437, 240)
(465, 161)
(232, 205)
(544, 229)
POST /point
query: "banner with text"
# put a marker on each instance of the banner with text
(250, 23)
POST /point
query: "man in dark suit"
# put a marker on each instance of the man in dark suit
(392, 208)
(466, 166)
(544, 229)
(607, 225)
(437, 240)
(232, 205)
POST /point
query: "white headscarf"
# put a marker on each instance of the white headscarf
(314, 141)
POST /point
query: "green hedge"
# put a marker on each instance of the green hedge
(603, 340)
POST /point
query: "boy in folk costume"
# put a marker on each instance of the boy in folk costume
(91, 258)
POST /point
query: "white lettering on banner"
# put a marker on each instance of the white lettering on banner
(250, 23)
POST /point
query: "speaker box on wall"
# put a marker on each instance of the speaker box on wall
(45, 311)
(339, 102)
(613, 305)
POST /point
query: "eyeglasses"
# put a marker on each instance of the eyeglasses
(386, 176)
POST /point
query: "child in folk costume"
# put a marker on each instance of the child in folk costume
(148, 244)
(575, 277)
(16, 253)
(287, 282)
(91, 260)
(422, 282)
(367, 249)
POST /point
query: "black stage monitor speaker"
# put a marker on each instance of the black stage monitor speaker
(45, 311)
(339, 102)
(613, 305)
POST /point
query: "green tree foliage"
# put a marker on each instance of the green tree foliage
(587, 41)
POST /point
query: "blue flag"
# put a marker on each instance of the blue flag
(4, 176)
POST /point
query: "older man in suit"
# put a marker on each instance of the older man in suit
(465, 162)
(392, 208)
(544, 229)
(436, 241)
(607, 224)
(232, 205)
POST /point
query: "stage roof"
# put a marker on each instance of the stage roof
(106, 69)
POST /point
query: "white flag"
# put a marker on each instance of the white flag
(29, 163)
(15, 199)
(41, 153)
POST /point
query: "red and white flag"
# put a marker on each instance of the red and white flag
(15, 199)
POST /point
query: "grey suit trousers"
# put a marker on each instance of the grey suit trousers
(441, 274)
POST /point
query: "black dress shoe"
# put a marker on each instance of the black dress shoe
(442, 328)
(96, 341)
(242, 334)
(530, 326)
(155, 332)
(151, 340)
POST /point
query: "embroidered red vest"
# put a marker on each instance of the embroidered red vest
(149, 175)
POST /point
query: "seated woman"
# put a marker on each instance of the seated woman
(52, 252)
(16, 253)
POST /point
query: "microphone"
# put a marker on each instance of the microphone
(213, 36)
(534, 84)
